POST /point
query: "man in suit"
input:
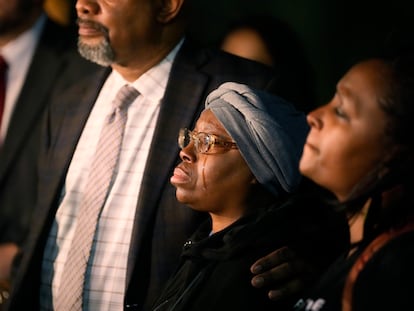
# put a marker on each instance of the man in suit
(38, 53)
(141, 227)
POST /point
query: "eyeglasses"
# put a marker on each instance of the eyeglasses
(203, 142)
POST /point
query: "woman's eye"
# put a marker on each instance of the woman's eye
(340, 112)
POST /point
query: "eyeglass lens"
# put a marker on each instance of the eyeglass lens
(201, 141)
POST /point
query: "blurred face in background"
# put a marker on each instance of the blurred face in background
(247, 43)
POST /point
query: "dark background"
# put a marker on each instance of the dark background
(335, 34)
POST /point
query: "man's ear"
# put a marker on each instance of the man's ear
(169, 10)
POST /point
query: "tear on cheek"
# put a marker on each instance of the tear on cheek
(203, 174)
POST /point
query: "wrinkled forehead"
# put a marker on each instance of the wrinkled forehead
(208, 121)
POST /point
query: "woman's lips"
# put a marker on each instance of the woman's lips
(180, 176)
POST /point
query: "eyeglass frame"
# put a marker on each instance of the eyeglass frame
(212, 141)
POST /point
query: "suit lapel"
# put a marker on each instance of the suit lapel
(69, 116)
(182, 102)
(64, 122)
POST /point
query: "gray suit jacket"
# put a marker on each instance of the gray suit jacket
(55, 59)
(162, 224)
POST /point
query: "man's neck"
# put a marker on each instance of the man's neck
(136, 68)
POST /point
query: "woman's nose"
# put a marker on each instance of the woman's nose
(188, 153)
(314, 118)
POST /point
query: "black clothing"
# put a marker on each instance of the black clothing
(386, 282)
(161, 224)
(214, 270)
(55, 64)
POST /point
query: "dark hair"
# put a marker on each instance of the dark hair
(393, 202)
(288, 54)
(398, 104)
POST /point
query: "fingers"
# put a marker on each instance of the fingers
(282, 272)
(4, 292)
(7, 253)
(289, 289)
(274, 259)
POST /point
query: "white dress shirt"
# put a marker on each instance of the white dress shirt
(106, 271)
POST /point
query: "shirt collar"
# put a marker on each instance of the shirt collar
(152, 84)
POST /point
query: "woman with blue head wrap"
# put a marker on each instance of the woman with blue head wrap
(269, 132)
(239, 164)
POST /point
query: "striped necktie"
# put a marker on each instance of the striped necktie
(101, 178)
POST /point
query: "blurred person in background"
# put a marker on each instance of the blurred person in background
(36, 55)
(271, 41)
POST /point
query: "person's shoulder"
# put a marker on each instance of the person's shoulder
(210, 58)
(393, 261)
(80, 77)
(397, 253)
(386, 281)
(217, 67)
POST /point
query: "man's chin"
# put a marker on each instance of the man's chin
(100, 53)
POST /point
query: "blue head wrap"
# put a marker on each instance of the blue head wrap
(269, 132)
